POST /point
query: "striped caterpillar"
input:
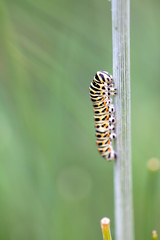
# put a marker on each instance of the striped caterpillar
(101, 89)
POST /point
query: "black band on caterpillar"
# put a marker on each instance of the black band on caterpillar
(101, 89)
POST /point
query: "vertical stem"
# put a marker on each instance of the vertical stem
(121, 74)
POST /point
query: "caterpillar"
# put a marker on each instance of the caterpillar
(101, 90)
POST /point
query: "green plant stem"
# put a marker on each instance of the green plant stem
(121, 75)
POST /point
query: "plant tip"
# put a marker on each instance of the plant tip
(105, 222)
(154, 235)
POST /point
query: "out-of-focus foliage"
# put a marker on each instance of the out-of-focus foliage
(53, 183)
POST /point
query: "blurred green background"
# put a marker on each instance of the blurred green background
(53, 183)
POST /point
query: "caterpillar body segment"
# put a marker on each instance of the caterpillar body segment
(104, 143)
(104, 109)
(108, 136)
(107, 153)
(102, 87)
(105, 119)
(101, 90)
(100, 104)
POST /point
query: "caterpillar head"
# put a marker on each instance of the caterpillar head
(102, 77)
